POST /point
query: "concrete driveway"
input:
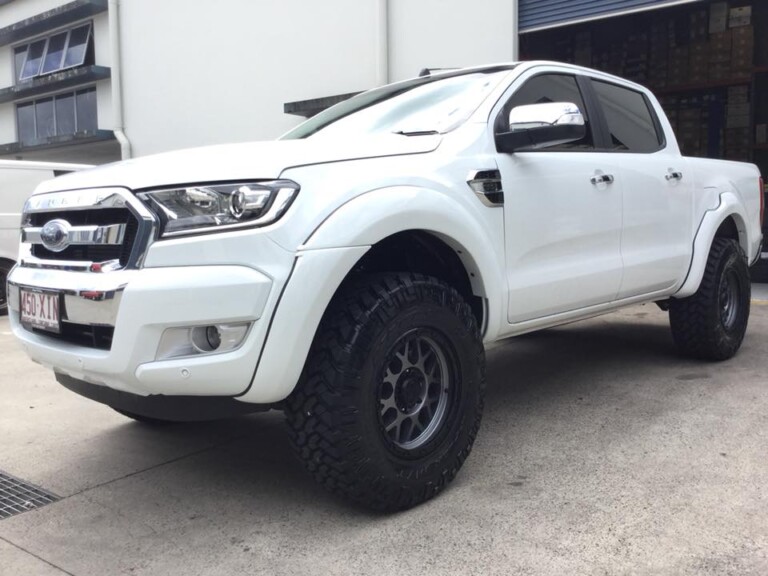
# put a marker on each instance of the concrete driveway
(601, 452)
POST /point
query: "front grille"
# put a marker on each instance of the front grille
(17, 496)
(89, 253)
(99, 337)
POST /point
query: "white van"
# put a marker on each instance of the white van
(18, 179)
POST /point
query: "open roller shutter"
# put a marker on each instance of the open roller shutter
(541, 14)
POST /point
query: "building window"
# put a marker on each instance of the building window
(57, 52)
(59, 115)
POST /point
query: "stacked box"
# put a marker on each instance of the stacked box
(635, 58)
(720, 56)
(610, 60)
(761, 134)
(741, 16)
(718, 17)
(689, 126)
(563, 50)
(678, 65)
(582, 49)
(699, 26)
(698, 62)
(737, 115)
(737, 122)
(659, 41)
(742, 51)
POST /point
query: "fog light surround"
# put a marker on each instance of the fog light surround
(190, 341)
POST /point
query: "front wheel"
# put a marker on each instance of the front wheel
(711, 323)
(391, 397)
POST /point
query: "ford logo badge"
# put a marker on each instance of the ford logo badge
(55, 235)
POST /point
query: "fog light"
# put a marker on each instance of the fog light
(205, 339)
(196, 340)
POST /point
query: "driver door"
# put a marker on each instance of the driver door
(562, 213)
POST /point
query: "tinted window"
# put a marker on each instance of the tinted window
(19, 55)
(549, 88)
(54, 53)
(630, 121)
(77, 45)
(34, 59)
(44, 119)
(65, 114)
(25, 117)
(86, 110)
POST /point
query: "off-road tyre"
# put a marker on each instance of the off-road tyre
(711, 323)
(5, 268)
(390, 348)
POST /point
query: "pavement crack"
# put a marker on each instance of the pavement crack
(59, 568)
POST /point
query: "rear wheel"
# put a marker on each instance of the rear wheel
(711, 323)
(391, 396)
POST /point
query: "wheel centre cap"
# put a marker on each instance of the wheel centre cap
(409, 391)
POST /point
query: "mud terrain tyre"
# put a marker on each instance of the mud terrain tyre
(391, 396)
(711, 323)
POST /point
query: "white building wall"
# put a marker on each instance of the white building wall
(206, 73)
(194, 76)
(449, 34)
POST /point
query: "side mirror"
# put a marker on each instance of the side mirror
(536, 126)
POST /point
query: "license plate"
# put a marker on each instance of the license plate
(40, 310)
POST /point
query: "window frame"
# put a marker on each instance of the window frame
(47, 38)
(33, 102)
(593, 124)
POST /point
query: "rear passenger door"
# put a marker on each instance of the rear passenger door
(656, 190)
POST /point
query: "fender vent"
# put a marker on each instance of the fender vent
(17, 496)
(486, 184)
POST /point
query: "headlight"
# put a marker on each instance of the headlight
(205, 208)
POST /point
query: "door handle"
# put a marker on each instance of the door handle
(674, 175)
(601, 179)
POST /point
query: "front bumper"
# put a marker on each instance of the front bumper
(141, 305)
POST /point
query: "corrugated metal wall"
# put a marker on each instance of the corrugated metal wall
(534, 14)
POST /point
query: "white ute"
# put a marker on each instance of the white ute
(351, 273)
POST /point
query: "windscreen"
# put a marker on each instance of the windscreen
(429, 105)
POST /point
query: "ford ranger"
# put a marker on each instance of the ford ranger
(351, 273)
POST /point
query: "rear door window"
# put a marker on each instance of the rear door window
(632, 124)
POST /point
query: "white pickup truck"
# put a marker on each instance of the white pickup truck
(351, 273)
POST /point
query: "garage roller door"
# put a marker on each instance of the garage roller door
(540, 14)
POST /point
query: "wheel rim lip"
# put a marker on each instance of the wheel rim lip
(729, 300)
(446, 391)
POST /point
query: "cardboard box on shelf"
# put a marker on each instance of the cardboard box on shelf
(737, 138)
(738, 94)
(761, 134)
(718, 17)
(741, 16)
(719, 71)
(699, 25)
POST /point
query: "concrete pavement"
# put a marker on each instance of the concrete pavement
(601, 452)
